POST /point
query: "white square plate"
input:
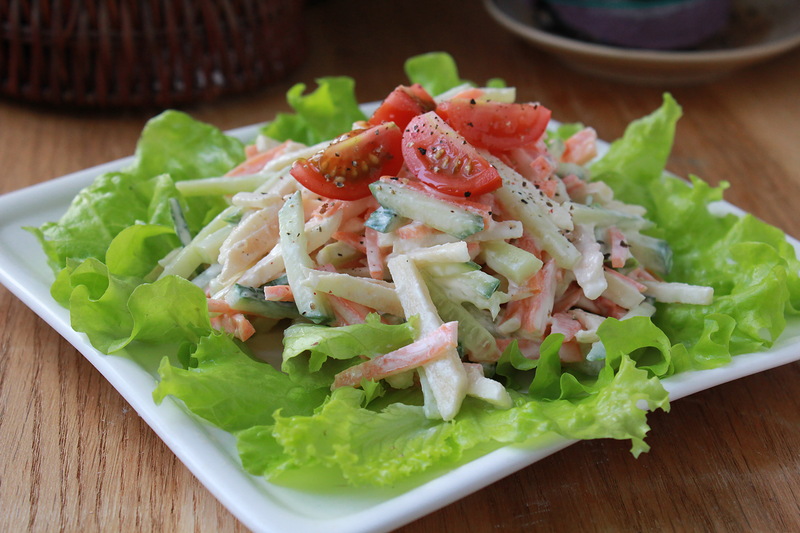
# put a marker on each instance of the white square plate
(211, 454)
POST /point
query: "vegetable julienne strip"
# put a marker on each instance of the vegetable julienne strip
(535, 342)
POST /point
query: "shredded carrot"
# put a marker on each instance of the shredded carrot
(251, 150)
(348, 312)
(568, 300)
(278, 293)
(570, 352)
(352, 239)
(620, 252)
(376, 260)
(640, 274)
(414, 230)
(565, 324)
(425, 349)
(473, 93)
(528, 347)
(236, 324)
(534, 311)
(626, 279)
(255, 162)
(576, 187)
(581, 147)
(218, 306)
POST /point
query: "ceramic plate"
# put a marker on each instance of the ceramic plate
(211, 454)
(760, 30)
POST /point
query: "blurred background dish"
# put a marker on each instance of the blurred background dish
(652, 24)
(756, 30)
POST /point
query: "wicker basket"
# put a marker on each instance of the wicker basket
(137, 53)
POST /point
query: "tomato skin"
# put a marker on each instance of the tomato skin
(496, 126)
(403, 104)
(441, 158)
(346, 167)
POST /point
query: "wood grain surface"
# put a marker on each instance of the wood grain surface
(75, 457)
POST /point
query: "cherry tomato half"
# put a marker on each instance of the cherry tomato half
(403, 104)
(495, 126)
(438, 156)
(351, 162)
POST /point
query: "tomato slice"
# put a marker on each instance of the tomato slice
(351, 162)
(495, 126)
(438, 156)
(403, 104)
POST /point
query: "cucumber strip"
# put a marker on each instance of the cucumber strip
(477, 341)
(518, 200)
(179, 221)
(532, 196)
(476, 281)
(375, 294)
(510, 261)
(498, 231)
(416, 205)
(603, 217)
(682, 293)
(204, 278)
(450, 269)
(310, 303)
(405, 246)
(222, 186)
(186, 261)
(654, 254)
(453, 252)
(384, 220)
(488, 390)
(337, 254)
(621, 293)
(251, 300)
(208, 248)
(477, 288)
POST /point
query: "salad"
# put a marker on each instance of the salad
(368, 296)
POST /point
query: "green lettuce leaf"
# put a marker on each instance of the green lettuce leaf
(750, 265)
(99, 212)
(307, 347)
(120, 311)
(173, 147)
(437, 72)
(176, 144)
(327, 112)
(368, 447)
(232, 390)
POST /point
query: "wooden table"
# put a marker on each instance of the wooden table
(75, 457)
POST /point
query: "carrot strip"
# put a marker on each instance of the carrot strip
(620, 252)
(376, 260)
(254, 163)
(424, 350)
(564, 323)
(278, 293)
(353, 239)
(218, 306)
(348, 312)
(581, 147)
(235, 324)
